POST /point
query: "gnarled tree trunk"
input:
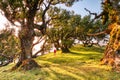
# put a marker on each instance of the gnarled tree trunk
(26, 36)
(112, 52)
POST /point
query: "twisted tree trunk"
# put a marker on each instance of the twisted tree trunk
(26, 36)
(112, 52)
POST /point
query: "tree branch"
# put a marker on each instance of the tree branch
(44, 12)
(45, 5)
(3, 55)
(96, 34)
(39, 40)
(95, 14)
(9, 60)
(43, 25)
(35, 55)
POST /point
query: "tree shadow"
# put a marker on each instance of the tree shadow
(84, 54)
(90, 49)
(63, 74)
(81, 73)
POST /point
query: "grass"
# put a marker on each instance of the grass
(80, 64)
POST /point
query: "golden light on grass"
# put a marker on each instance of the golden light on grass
(81, 64)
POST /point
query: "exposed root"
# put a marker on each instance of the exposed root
(27, 64)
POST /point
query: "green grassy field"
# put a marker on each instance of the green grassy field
(81, 64)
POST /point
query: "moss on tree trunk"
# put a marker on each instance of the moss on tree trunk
(112, 52)
(26, 62)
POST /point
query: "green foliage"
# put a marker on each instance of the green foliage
(19, 9)
(67, 26)
(87, 26)
(67, 2)
(64, 27)
(111, 11)
(9, 44)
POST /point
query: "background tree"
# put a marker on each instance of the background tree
(63, 32)
(97, 27)
(25, 12)
(87, 31)
(83, 29)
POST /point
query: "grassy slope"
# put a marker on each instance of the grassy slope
(81, 64)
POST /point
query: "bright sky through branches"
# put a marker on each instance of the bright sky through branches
(3, 21)
(78, 7)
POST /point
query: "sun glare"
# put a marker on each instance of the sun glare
(3, 21)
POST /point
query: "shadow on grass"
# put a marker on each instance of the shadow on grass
(79, 64)
(62, 76)
(87, 55)
(74, 58)
(77, 55)
(90, 49)
(79, 73)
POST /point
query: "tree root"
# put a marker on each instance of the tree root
(27, 64)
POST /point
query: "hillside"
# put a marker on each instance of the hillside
(80, 64)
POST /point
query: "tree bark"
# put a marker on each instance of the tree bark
(112, 52)
(26, 36)
(26, 40)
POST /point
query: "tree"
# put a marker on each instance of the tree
(61, 38)
(111, 12)
(63, 32)
(25, 12)
(97, 27)
(83, 29)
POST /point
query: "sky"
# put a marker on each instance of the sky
(78, 7)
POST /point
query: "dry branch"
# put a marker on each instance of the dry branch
(95, 14)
